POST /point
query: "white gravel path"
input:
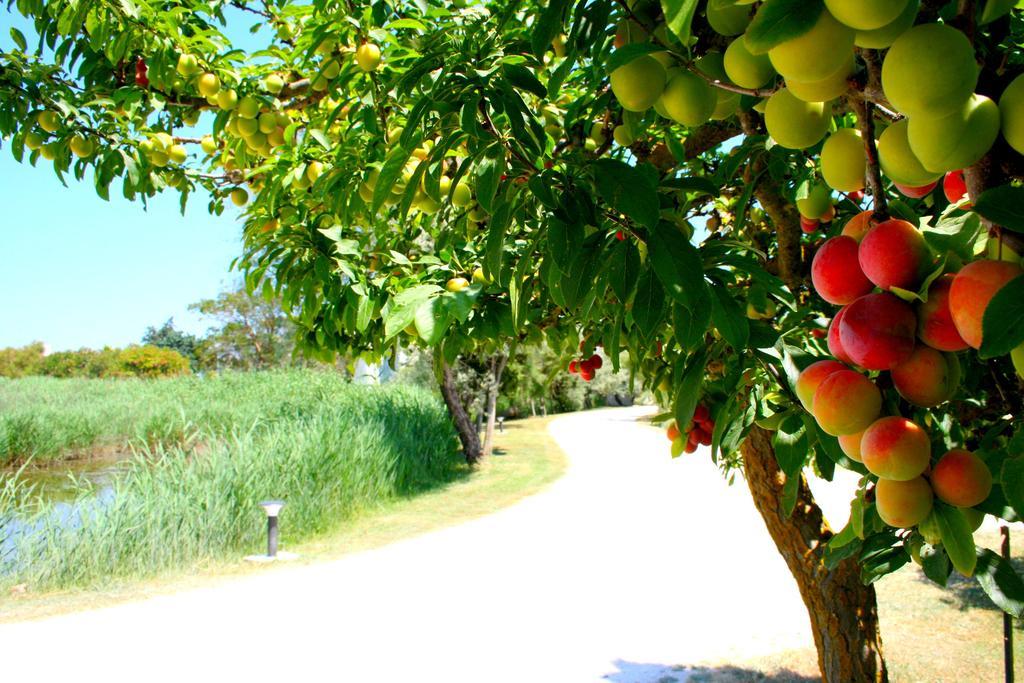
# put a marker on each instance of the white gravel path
(631, 563)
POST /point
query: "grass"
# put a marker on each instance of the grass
(49, 419)
(526, 461)
(330, 449)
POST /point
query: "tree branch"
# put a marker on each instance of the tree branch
(866, 126)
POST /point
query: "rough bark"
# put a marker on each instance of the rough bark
(464, 427)
(843, 611)
(495, 370)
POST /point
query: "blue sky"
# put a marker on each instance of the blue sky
(79, 271)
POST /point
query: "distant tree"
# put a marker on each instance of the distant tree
(18, 362)
(167, 336)
(250, 333)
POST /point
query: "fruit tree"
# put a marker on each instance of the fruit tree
(797, 221)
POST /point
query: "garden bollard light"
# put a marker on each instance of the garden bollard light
(272, 508)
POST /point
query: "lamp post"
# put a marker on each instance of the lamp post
(272, 508)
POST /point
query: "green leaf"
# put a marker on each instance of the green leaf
(956, 537)
(495, 246)
(935, 563)
(389, 173)
(791, 445)
(995, 9)
(679, 16)
(679, 267)
(627, 53)
(1004, 206)
(648, 305)
(1003, 324)
(623, 269)
(1000, 582)
(780, 20)
(729, 318)
(688, 393)
(633, 190)
(548, 25)
(431, 321)
(954, 233)
(19, 39)
(521, 77)
(688, 329)
(1012, 483)
(789, 490)
(489, 170)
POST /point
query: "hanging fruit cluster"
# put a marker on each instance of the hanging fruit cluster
(586, 368)
(697, 433)
(871, 270)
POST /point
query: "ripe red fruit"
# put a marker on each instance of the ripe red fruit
(701, 413)
(878, 331)
(829, 215)
(672, 432)
(620, 236)
(586, 374)
(916, 192)
(835, 344)
(809, 225)
(141, 79)
(935, 321)
(856, 196)
(691, 446)
(704, 436)
(574, 367)
(596, 362)
(955, 188)
(894, 254)
(836, 272)
(973, 289)
(818, 333)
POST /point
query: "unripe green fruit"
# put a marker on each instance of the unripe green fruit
(958, 140)
(638, 84)
(177, 154)
(462, 196)
(885, 36)
(314, 170)
(273, 84)
(227, 99)
(368, 57)
(1011, 108)
(794, 123)
(159, 158)
(815, 55)
(866, 15)
(622, 135)
(190, 117)
(187, 65)
(247, 127)
(688, 99)
(843, 160)
(249, 107)
(82, 147)
(267, 122)
(898, 160)
(256, 142)
(597, 133)
(745, 69)
(727, 18)
(48, 121)
(330, 69)
(48, 152)
(208, 144)
(726, 103)
(33, 140)
(366, 193)
(1017, 356)
(827, 88)
(816, 204)
(239, 197)
(930, 71)
(209, 85)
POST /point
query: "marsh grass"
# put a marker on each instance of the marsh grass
(326, 447)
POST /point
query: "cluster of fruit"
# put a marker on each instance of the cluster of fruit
(586, 368)
(460, 195)
(698, 432)
(879, 331)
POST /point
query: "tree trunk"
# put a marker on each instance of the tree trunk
(468, 436)
(843, 611)
(497, 367)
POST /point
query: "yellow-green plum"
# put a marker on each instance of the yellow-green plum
(727, 18)
(622, 135)
(817, 54)
(794, 123)
(816, 203)
(885, 36)
(903, 504)
(1017, 357)
(688, 99)
(930, 70)
(1011, 108)
(957, 140)
(843, 161)
(746, 69)
(727, 103)
(828, 88)
(898, 160)
(866, 15)
(638, 84)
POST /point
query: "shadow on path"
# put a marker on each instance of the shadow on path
(636, 672)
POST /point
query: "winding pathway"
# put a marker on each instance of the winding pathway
(630, 563)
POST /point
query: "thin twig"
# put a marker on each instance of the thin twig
(866, 126)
